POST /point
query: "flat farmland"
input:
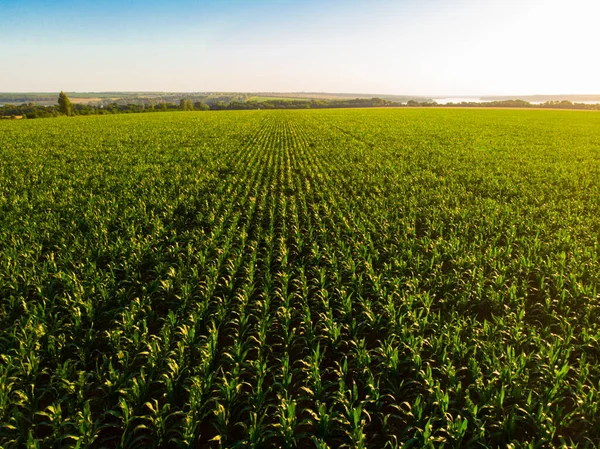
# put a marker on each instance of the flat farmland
(369, 278)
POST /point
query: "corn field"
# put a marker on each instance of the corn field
(313, 279)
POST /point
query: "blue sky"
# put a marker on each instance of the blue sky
(429, 47)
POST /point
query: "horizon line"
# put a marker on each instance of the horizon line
(295, 93)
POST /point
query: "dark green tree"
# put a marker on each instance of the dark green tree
(64, 104)
(186, 105)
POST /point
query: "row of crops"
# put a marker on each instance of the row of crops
(348, 278)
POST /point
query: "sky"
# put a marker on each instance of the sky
(412, 47)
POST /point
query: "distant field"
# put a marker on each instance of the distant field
(317, 96)
(52, 102)
(337, 278)
(267, 98)
(48, 99)
(85, 100)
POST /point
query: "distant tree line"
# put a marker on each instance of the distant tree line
(65, 107)
(564, 104)
(303, 104)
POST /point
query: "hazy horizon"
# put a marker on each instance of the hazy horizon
(427, 48)
(218, 92)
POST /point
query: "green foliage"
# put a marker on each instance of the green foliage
(64, 104)
(345, 278)
(186, 105)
